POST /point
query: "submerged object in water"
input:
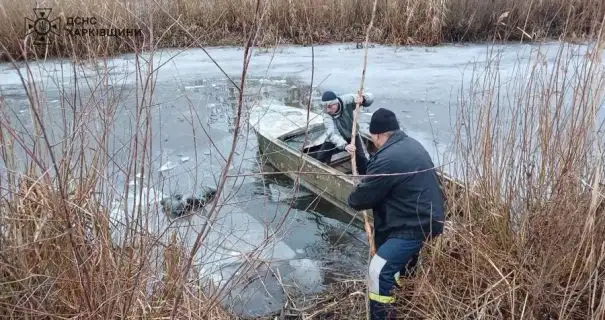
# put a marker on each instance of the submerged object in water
(177, 206)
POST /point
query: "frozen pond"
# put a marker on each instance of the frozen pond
(191, 126)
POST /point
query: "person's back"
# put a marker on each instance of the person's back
(407, 203)
(417, 200)
(402, 188)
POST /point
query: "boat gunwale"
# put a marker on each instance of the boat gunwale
(324, 168)
(316, 163)
(318, 191)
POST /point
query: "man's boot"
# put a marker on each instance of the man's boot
(382, 311)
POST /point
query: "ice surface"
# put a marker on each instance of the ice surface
(420, 83)
(234, 240)
(167, 166)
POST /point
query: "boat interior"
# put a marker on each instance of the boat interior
(340, 161)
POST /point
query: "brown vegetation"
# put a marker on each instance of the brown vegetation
(530, 247)
(185, 23)
(48, 271)
(531, 242)
(57, 255)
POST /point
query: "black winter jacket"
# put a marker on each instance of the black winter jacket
(407, 206)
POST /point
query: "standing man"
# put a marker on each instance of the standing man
(408, 209)
(339, 126)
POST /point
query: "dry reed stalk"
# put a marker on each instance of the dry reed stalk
(212, 214)
(224, 23)
(58, 257)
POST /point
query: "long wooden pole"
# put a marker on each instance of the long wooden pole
(367, 225)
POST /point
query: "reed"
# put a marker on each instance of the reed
(526, 241)
(227, 22)
(66, 253)
(531, 245)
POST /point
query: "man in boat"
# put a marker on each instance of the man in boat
(339, 126)
(408, 209)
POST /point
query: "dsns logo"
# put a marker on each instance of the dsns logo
(41, 27)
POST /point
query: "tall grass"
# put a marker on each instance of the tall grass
(66, 251)
(60, 257)
(228, 22)
(531, 245)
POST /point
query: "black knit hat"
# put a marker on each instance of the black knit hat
(383, 120)
(328, 96)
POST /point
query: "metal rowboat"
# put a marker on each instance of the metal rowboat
(281, 131)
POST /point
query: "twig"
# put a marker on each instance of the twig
(334, 174)
(212, 212)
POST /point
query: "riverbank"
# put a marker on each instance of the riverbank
(105, 29)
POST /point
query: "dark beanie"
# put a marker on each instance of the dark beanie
(328, 96)
(383, 120)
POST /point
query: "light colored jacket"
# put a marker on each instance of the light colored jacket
(344, 119)
(332, 134)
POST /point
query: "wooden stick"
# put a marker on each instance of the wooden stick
(367, 226)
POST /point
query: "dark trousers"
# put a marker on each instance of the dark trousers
(394, 258)
(324, 154)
